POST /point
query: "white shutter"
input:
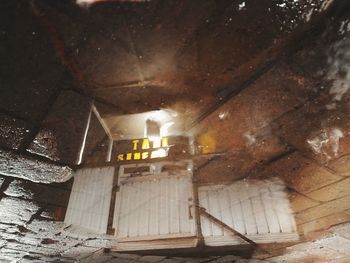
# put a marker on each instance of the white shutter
(154, 206)
(90, 198)
(257, 209)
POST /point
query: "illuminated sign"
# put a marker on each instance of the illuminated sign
(144, 149)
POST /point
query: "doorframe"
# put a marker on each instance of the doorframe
(153, 242)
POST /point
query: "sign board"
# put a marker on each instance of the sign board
(144, 149)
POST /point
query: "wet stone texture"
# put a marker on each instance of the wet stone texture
(67, 122)
(26, 167)
(45, 144)
(49, 194)
(12, 131)
(50, 246)
(27, 210)
(291, 121)
(320, 129)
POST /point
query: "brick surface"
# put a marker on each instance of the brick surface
(16, 211)
(300, 173)
(341, 165)
(321, 134)
(270, 101)
(233, 166)
(300, 202)
(324, 222)
(324, 209)
(332, 191)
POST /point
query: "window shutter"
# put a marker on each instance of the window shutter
(257, 209)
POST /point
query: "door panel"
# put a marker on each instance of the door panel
(154, 206)
(90, 199)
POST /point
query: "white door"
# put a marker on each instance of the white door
(90, 199)
(154, 205)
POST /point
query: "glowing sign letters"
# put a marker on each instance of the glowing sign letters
(146, 149)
